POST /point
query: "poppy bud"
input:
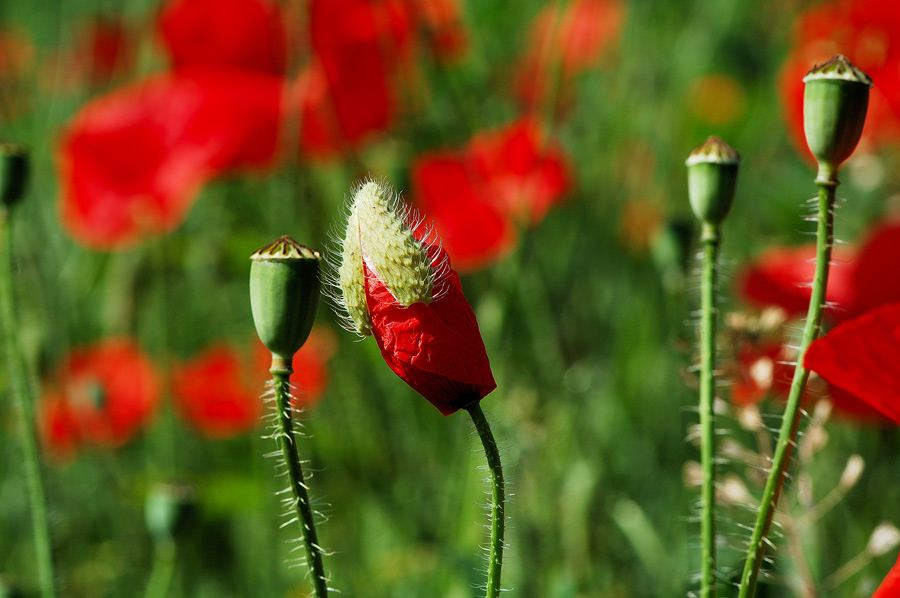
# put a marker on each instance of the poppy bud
(712, 179)
(284, 292)
(14, 169)
(835, 101)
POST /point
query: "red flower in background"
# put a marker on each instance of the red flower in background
(103, 394)
(132, 162)
(435, 348)
(890, 587)
(215, 394)
(868, 33)
(310, 375)
(567, 39)
(478, 195)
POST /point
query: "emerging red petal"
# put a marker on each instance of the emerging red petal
(131, 162)
(214, 393)
(436, 348)
(890, 587)
(243, 34)
(782, 277)
(861, 357)
(110, 390)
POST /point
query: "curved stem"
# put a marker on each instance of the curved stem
(163, 570)
(827, 183)
(284, 434)
(709, 315)
(22, 394)
(498, 498)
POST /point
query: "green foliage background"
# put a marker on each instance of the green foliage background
(590, 349)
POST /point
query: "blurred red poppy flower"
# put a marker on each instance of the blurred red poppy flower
(242, 34)
(567, 39)
(131, 162)
(215, 393)
(761, 370)
(310, 364)
(435, 348)
(478, 195)
(860, 356)
(868, 33)
(442, 23)
(890, 587)
(857, 282)
(102, 395)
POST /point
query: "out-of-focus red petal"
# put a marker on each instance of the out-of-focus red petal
(782, 276)
(861, 357)
(443, 24)
(131, 162)
(57, 427)
(242, 34)
(212, 393)
(527, 174)
(890, 587)
(436, 348)
(110, 389)
(473, 231)
(876, 277)
(310, 377)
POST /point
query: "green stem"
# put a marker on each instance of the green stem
(827, 182)
(498, 497)
(163, 570)
(709, 315)
(284, 435)
(22, 394)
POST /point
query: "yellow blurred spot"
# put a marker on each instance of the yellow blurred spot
(717, 99)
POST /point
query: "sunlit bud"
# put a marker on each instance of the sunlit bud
(852, 472)
(835, 102)
(884, 538)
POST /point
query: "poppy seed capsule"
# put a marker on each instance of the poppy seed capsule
(712, 179)
(14, 171)
(835, 101)
(284, 292)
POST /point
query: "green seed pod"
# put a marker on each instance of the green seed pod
(14, 170)
(169, 510)
(284, 292)
(835, 101)
(712, 179)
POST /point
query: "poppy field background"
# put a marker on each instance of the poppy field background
(546, 142)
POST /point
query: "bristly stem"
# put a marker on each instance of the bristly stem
(827, 182)
(498, 499)
(284, 435)
(709, 315)
(23, 395)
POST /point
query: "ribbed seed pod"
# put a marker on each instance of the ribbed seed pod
(284, 293)
(835, 101)
(712, 180)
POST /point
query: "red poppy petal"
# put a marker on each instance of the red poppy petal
(876, 275)
(890, 587)
(211, 392)
(436, 348)
(131, 162)
(861, 356)
(782, 277)
(473, 231)
(243, 34)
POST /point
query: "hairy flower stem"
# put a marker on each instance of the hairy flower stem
(284, 435)
(22, 394)
(827, 182)
(498, 499)
(709, 314)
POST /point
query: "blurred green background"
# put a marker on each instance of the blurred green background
(589, 330)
